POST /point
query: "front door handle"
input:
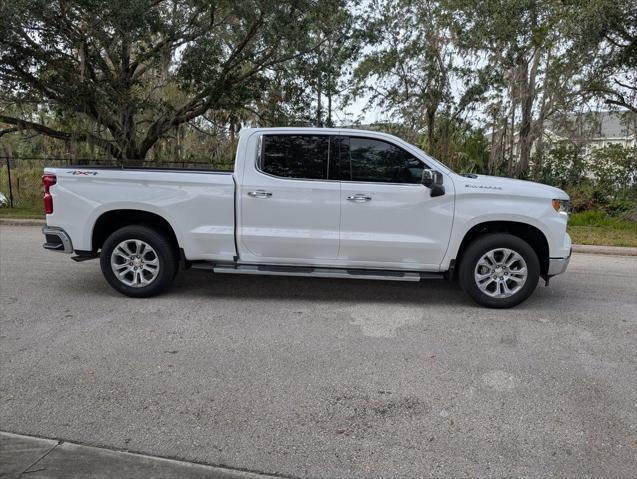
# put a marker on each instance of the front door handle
(359, 198)
(259, 194)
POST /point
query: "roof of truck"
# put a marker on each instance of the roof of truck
(311, 129)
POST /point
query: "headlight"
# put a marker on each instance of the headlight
(561, 206)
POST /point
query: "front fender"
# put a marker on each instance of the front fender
(536, 212)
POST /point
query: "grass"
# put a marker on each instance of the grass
(595, 235)
(598, 228)
(29, 212)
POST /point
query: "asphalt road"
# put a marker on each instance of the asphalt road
(325, 378)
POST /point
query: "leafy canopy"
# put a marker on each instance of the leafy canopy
(138, 68)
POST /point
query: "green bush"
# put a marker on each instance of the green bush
(584, 197)
(600, 179)
(613, 168)
(621, 206)
(563, 166)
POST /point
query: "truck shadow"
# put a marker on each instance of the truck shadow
(430, 291)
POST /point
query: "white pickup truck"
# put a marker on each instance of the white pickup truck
(335, 203)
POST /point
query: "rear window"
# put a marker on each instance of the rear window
(295, 156)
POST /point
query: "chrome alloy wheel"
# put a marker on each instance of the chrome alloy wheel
(500, 273)
(135, 263)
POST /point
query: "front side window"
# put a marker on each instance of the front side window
(380, 161)
(295, 156)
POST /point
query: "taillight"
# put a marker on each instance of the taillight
(48, 181)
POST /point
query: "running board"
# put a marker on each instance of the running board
(317, 272)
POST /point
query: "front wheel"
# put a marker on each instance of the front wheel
(499, 270)
(138, 261)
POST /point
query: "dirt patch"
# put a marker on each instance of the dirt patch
(356, 413)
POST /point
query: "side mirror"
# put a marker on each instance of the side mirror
(433, 180)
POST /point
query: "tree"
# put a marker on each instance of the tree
(526, 44)
(126, 72)
(307, 89)
(408, 69)
(339, 36)
(414, 71)
(606, 31)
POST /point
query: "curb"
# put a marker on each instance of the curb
(21, 222)
(577, 248)
(21, 454)
(607, 250)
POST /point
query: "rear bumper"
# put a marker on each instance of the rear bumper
(559, 265)
(57, 240)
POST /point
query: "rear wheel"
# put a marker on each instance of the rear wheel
(499, 270)
(138, 261)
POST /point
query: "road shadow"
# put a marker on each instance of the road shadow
(231, 286)
(202, 284)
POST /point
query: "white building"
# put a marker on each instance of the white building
(593, 129)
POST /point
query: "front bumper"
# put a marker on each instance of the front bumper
(559, 265)
(57, 240)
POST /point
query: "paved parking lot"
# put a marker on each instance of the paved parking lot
(325, 378)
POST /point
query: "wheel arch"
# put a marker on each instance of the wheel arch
(112, 220)
(527, 232)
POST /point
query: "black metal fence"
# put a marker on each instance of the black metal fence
(21, 177)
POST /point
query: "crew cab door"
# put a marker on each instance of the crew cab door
(290, 210)
(388, 217)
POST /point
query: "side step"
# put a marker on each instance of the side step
(309, 271)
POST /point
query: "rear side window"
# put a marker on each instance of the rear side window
(380, 161)
(295, 156)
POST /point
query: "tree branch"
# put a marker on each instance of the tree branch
(8, 130)
(29, 125)
(625, 85)
(21, 124)
(622, 103)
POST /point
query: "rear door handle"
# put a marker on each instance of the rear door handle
(359, 198)
(259, 194)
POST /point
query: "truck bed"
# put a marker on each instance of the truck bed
(199, 204)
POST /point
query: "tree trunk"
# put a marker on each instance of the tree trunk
(538, 134)
(431, 134)
(546, 106)
(525, 134)
(444, 142)
(539, 156)
(329, 101)
(501, 156)
(319, 91)
(319, 112)
(511, 146)
(493, 154)
(329, 87)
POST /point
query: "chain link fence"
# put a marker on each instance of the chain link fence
(21, 178)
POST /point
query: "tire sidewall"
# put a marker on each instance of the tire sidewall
(492, 241)
(163, 249)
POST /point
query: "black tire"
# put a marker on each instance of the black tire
(164, 251)
(481, 246)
